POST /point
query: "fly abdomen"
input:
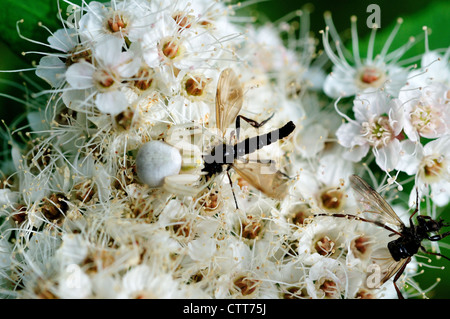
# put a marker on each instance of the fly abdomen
(252, 144)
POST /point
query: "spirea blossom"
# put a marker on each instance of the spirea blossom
(377, 126)
(106, 193)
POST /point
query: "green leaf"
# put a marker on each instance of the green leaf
(435, 17)
(31, 12)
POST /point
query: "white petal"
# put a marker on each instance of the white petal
(128, 64)
(79, 75)
(388, 156)
(63, 40)
(7, 197)
(438, 146)
(339, 84)
(202, 249)
(396, 116)
(356, 153)
(111, 102)
(151, 57)
(311, 140)
(349, 135)
(397, 79)
(91, 22)
(109, 50)
(410, 131)
(51, 69)
(410, 156)
(333, 168)
(440, 193)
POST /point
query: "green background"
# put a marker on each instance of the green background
(416, 14)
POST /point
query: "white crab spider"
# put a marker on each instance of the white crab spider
(157, 160)
(188, 139)
(184, 184)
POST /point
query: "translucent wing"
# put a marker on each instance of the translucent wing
(229, 99)
(393, 268)
(264, 178)
(372, 202)
(386, 265)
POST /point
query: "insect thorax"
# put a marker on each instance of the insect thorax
(221, 155)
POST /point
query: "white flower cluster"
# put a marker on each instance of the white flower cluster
(108, 199)
(401, 115)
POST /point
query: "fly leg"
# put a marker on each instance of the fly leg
(432, 253)
(438, 236)
(231, 184)
(417, 207)
(397, 276)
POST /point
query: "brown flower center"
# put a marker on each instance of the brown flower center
(332, 199)
(171, 49)
(246, 285)
(195, 86)
(324, 246)
(116, 23)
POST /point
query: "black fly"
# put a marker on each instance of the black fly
(229, 99)
(410, 238)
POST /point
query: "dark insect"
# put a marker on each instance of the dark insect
(229, 99)
(409, 239)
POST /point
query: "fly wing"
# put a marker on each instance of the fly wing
(393, 268)
(263, 177)
(229, 99)
(386, 266)
(371, 202)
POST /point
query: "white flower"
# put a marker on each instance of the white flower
(52, 67)
(378, 124)
(203, 248)
(165, 45)
(426, 111)
(316, 129)
(373, 72)
(121, 19)
(328, 278)
(86, 215)
(143, 282)
(91, 176)
(431, 165)
(105, 75)
(319, 239)
(269, 52)
(434, 68)
(324, 186)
